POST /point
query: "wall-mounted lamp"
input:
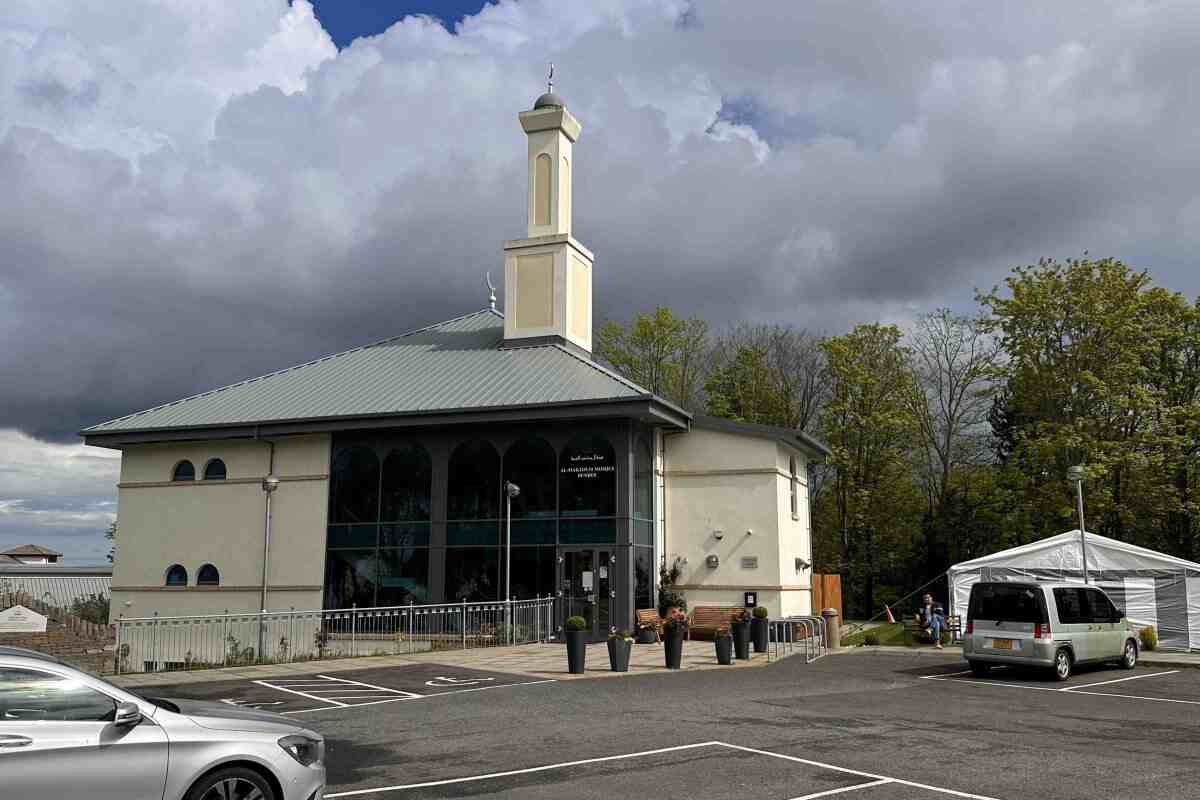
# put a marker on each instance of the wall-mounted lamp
(712, 561)
(612, 559)
(718, 535)
(802, 565)
(749, 531)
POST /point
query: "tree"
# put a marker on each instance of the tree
(662, 352)
(786, 359)
(742, 389)
(872, 502)
(1101, 370)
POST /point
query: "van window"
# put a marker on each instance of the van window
(1073, 606)
(997, 601)
(1100, 607)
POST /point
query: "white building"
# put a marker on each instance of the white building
(378, 471)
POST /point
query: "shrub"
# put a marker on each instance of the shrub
(622, 634)
(668, 596)
(93, 608)
(723, 632)
(1149, 637)
(871, 640)
(760, 612)
(576, 624)
(675, 620)
(740, 615)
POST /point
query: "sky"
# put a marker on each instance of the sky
(198, 191)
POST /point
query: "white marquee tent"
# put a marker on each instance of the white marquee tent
(1149, 587)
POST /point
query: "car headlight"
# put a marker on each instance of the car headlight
(305, 750)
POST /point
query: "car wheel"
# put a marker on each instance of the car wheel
(232, 783)
(980, 669)
(1062, 664)
(1130, 656)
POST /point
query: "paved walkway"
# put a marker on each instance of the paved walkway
(534, 660)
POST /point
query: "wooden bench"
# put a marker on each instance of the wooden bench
(915, 631)
(707, 619)
(648, 618)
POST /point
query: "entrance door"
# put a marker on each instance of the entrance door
(586, 588)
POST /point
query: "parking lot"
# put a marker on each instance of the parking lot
(864, 725)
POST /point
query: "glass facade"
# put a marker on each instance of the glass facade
(421, 518)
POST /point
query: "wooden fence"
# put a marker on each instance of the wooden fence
(827, 593)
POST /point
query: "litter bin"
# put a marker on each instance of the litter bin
(833, 628)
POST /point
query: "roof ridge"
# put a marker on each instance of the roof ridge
(605, 370)
(292, 368)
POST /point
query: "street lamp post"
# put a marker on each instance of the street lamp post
(1075, 475)
(511, 490)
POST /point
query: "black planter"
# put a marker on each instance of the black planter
(758, 634)
(576, 651)
(673, 647)
(618, 654)
(724, 649)
(646, 636)
(741, 639)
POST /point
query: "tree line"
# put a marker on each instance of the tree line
(951, 438)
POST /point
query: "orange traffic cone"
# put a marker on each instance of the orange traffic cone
(888, 615)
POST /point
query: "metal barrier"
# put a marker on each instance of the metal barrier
(155, 644)
(789, 635)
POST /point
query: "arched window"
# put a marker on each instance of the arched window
(354, 496)
(474, 482)
(530, 464)
(176, 575)
(541, 190)
(407, 482)
(208, 575)
(214, 470)
(588, 478)
(184, 471)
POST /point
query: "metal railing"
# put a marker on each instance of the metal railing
(800, 634)
(156, 644)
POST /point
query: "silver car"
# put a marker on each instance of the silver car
(1052, 625)
(67, 734)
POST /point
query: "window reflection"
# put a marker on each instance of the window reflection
(588, 478)
(354, 489)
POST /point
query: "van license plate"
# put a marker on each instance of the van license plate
(1002, 644)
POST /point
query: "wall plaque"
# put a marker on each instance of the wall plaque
(749, 562)
(588, 464)
(20, 619)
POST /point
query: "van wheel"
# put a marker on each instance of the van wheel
(231, 783)
(1062, 664)
(979, 669)
(1129, 658)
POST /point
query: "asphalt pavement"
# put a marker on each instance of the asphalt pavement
(860, 726)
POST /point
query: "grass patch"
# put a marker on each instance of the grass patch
(887, 635)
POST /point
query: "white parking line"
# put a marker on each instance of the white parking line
(1118, 680)
(370, 686)
(876, 780)
(420, 697)
(527, 771)
(914, 784)
(278, 688)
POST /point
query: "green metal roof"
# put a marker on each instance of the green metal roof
(456, 365)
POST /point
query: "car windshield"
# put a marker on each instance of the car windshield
(1005, 603)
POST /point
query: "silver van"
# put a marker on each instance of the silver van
(1052, 625)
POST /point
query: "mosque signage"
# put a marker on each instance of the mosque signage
(588, 464)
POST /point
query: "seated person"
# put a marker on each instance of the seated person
(932, 617)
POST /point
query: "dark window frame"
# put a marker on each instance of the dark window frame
(203, 575)
(175, 569)
(208, 470)
(177, 477)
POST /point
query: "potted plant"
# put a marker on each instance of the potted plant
(620, 645)
(724, 642)
(739, 624)
(646, 633)
(674, 628)
(759, 628)
(576, 644)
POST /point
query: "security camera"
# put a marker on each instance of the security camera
(749, 531)
(718, 535)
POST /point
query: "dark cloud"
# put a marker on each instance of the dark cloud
(214, 194)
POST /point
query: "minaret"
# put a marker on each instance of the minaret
(548, 275)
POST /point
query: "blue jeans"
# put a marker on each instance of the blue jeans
(936, 623)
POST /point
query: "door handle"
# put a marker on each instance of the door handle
(15, 741)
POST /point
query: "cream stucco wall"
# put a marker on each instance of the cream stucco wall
(739, 486)
(221, 523)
